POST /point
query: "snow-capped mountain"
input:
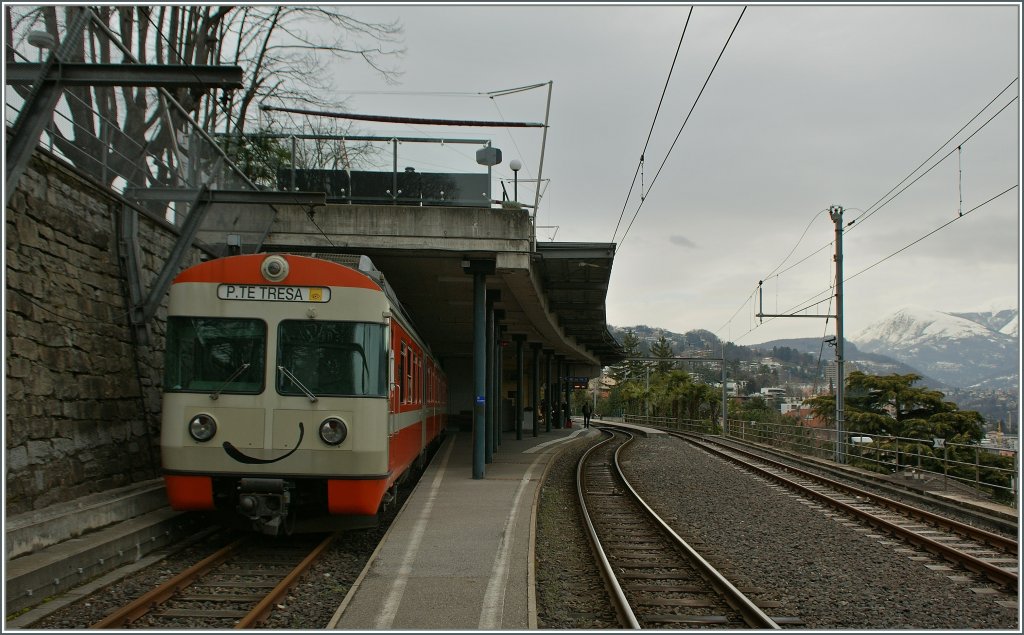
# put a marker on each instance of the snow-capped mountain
(959, 349)
(1010, 328)
(1003, 321)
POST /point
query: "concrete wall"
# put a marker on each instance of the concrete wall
(82, 400)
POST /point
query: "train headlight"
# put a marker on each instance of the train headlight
(333, 431)
(202, 427)
(274, 268)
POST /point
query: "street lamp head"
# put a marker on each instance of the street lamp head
(515, 164)
(42, 40)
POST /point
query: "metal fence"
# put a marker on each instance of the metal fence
(988, 471)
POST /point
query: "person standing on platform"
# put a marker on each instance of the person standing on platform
(587, 411)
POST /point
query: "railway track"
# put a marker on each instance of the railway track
(235, 587)
(978, 518)
(654, 578)
(979, 551)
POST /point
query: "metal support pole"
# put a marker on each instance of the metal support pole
(547, 391)
(725, 399)
(479, 370)
(540, 170)
(499, 381)
(836, 213)
(535, 392)
(557, 406)
(520, 402)
(568, 393)
(394, 173)
(491, 388)
(647, 392)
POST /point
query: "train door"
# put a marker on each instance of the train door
(394, 392)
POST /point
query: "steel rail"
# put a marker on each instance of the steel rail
(618, 597)
(752, 614)
(868, 479)
(977, 565)
(148, 601)
(992, 539)
(260, 612)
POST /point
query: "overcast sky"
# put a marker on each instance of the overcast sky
(810, 106)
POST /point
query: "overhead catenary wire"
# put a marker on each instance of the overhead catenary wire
(657, 110)
(682, 127)
(799, 240)
(872, 209)
(936, 164)
(934, 231)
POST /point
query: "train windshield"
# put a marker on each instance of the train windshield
(331, 358)
(215, 355)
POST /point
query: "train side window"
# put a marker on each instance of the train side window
(417, 395)
(402, 364)
(409, 378)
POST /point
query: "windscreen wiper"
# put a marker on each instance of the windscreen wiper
(295, 380)
(241, 369)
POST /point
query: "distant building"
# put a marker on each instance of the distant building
(732, 387)
(788, 406)
(831, 372)
(603, 385)
(770, 363)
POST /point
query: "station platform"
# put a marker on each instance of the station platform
(459, 554)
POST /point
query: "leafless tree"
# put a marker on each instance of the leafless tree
(285, 52)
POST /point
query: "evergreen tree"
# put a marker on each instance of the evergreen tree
(892, 405)
(628, 369)
(662, 349)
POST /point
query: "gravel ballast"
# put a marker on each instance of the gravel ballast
(824, 569)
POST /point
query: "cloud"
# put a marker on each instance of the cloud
(681, 241)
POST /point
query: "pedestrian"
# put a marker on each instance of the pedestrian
(587, 411)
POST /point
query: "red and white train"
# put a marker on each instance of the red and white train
(296, 393)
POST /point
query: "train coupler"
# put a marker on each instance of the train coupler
(265, 501)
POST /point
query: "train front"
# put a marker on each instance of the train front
(275, 405)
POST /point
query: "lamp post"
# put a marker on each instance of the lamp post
(516, 165)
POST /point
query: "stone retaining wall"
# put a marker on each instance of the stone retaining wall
(82, 398)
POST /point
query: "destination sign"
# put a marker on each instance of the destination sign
(273, 293)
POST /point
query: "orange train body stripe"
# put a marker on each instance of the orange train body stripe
(404, 447)
(356, 496)
(189, 493)
(302, 271)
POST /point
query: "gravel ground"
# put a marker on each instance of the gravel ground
(829, 573)
(570, 592)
